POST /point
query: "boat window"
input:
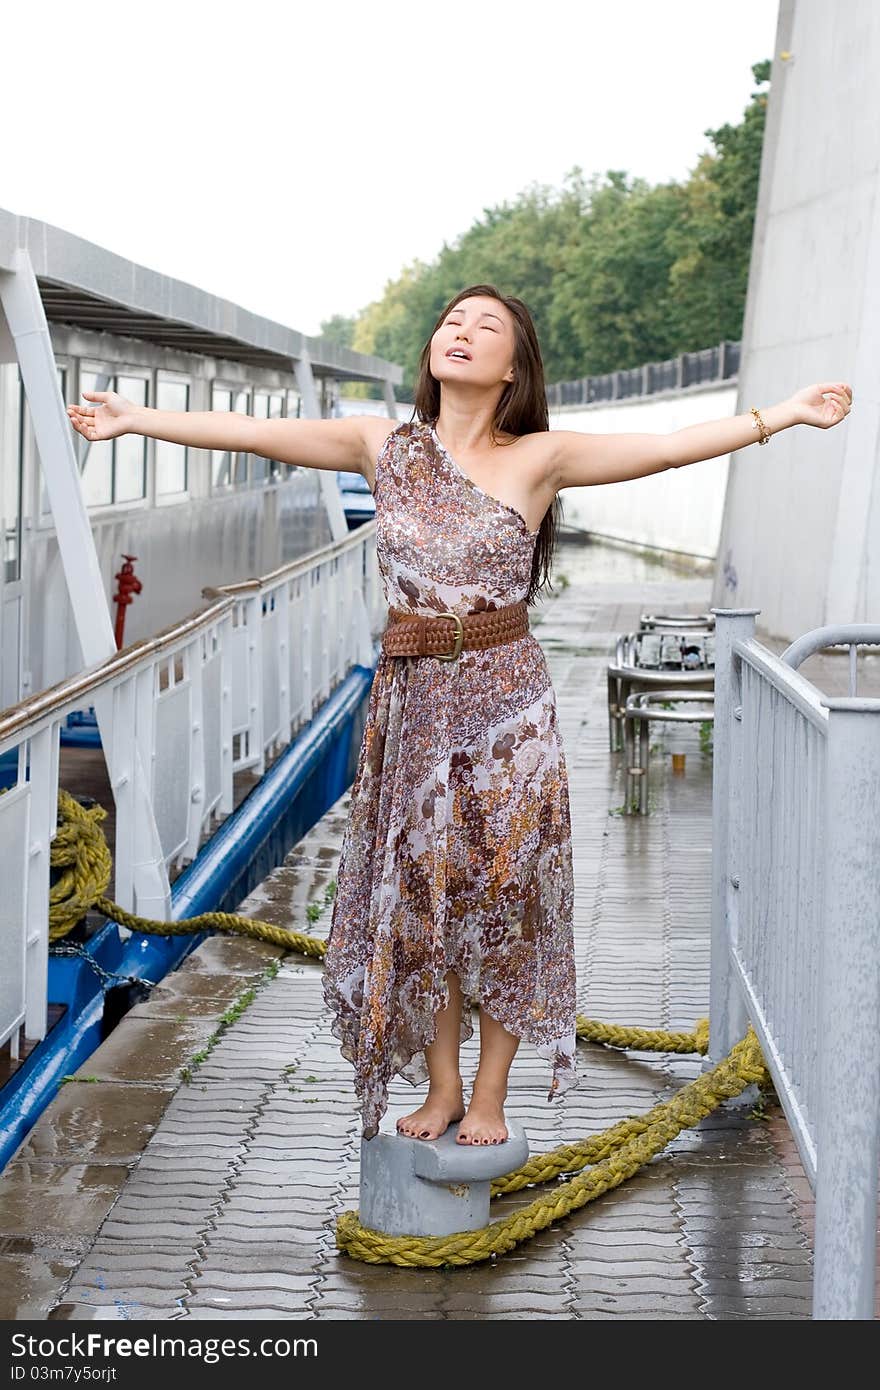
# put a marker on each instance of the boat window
(229, 469)
(171, 459)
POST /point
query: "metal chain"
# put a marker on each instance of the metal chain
(103, 975)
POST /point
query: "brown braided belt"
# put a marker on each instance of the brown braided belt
(446, 634)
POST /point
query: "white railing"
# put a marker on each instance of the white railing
(796, 923)
(296, 632)
(213, 693)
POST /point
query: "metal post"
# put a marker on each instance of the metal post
(227, 800)
(103, 382)
(198, 759)
(848, 1125)
(727, 1013)
(253, 607)
(282, 605)
(311, 409)
(390, 402)
(26, 318)
(41, 823)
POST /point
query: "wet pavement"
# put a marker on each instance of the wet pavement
(195, 1165)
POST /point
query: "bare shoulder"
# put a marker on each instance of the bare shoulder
(537, 462)
(536, 451)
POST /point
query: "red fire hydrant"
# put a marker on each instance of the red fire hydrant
(129, 585)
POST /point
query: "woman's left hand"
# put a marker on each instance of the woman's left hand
(823, 405)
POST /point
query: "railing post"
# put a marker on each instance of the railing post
(42, 819)
(390, 402)
(256, 694)
(848, 1139)
(324, 597)
(142, 836)
(727, 1013)
(308, 622)
(198, 761)
(361, 599)
(285, 714)
(339, 610)
(226, 632)
(327, 481)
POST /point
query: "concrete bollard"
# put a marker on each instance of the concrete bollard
(433, 1187)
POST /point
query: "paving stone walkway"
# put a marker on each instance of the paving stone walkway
(138, 1196)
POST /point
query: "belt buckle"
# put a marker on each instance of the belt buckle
(459, 638)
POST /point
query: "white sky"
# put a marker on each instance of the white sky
(294, 157)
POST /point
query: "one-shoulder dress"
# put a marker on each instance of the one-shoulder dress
(457, 851)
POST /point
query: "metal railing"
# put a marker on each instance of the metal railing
(208, 696)
(296, 632)
(710, 365)
(796, 922)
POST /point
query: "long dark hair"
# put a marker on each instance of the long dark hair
(521, 409)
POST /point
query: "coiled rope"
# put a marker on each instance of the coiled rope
(615, 1155)
(80, 850)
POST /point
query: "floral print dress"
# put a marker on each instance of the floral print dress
(457, 851)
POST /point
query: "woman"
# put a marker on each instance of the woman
(454, 884)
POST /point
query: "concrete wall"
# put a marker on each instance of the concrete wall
(679, 509)
(801, 528)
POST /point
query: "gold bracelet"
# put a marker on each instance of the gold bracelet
(758, 424)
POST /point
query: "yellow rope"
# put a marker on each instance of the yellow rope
(80, 849)
(644, 1039)
(615, 1155)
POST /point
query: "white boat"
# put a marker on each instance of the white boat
(227, 716)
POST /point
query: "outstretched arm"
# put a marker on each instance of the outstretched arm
(346, 444)
(584, 459)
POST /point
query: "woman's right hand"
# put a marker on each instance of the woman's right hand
(113, 416)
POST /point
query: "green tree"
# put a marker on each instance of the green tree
(615, 271)
(713, 241)
(613, 292)
(339, 328)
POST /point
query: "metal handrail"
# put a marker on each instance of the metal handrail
(700, 622)
(637, 704)
(850, 635)
(293, 568)
(179, 713)
(795, 907)
(76, 688)
(717, 365)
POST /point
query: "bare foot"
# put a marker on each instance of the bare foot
(483, 1123)
(441, 1109)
